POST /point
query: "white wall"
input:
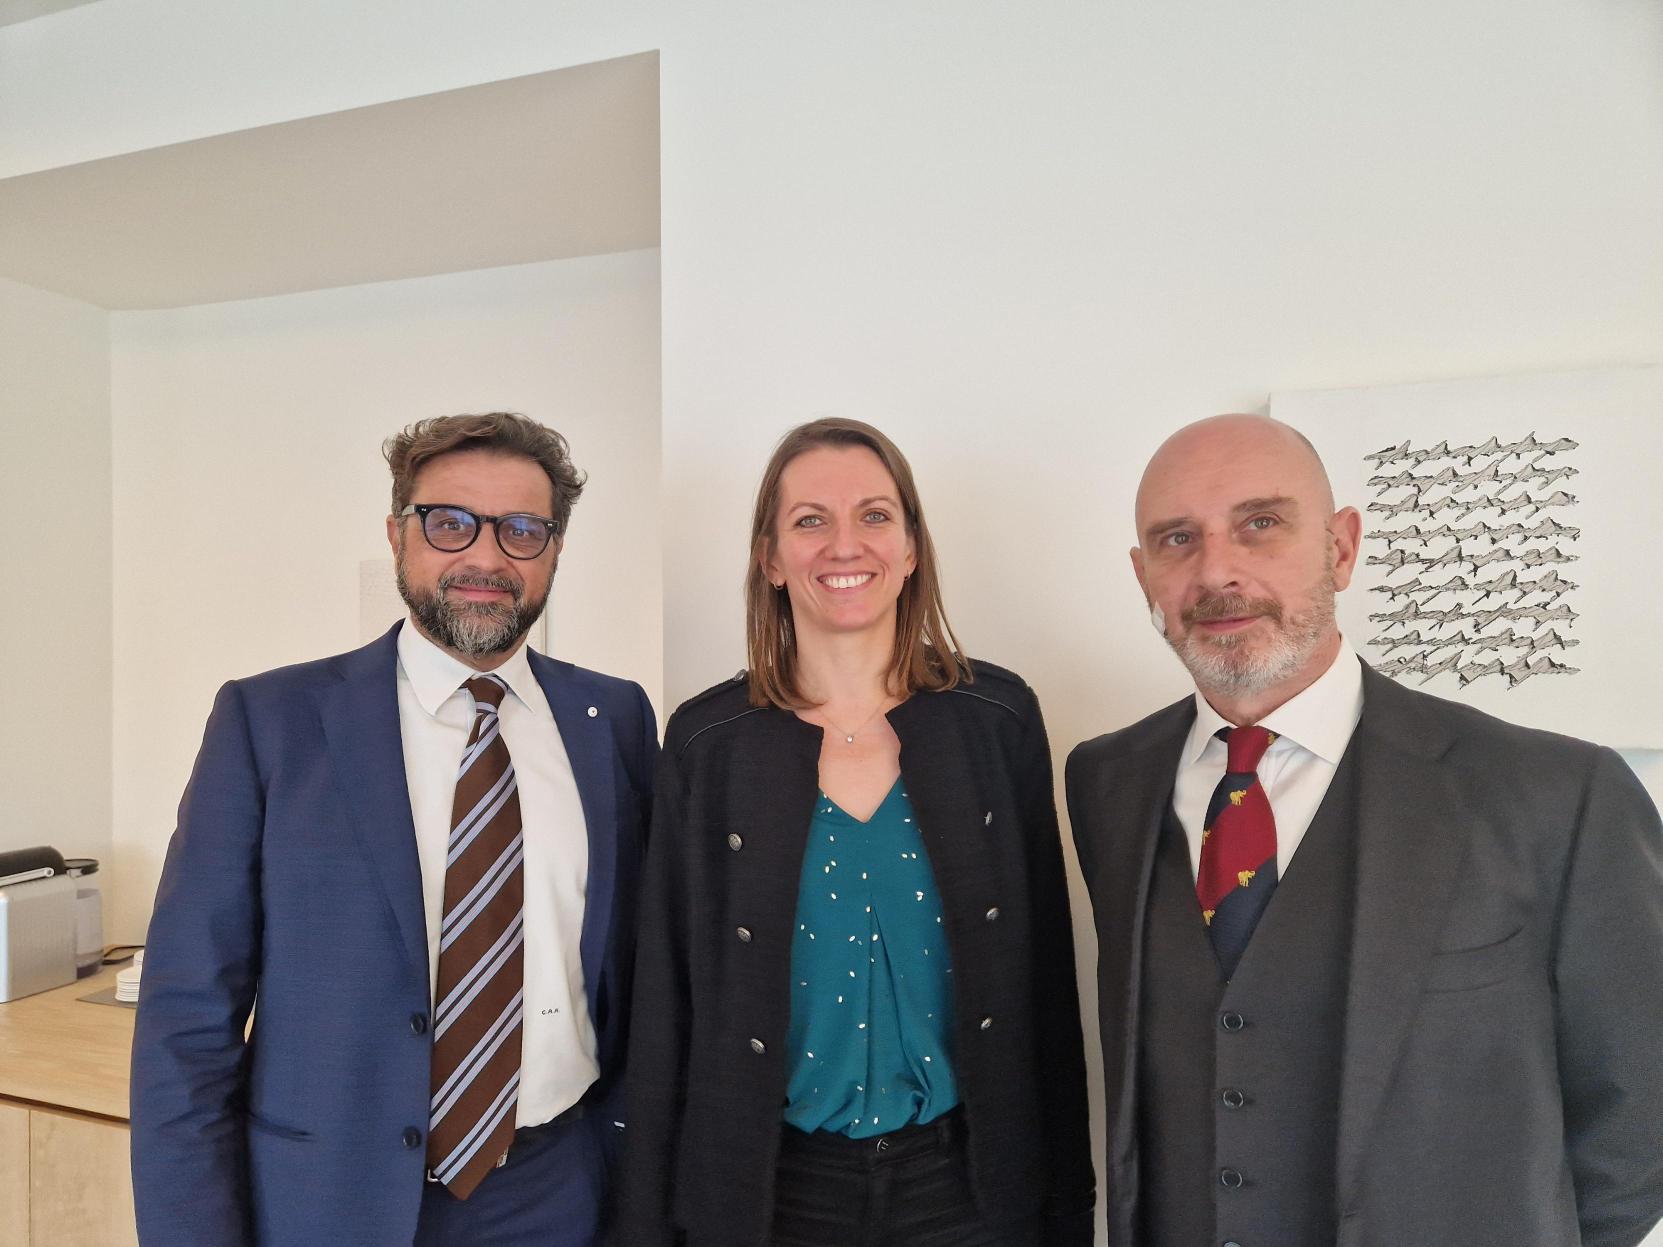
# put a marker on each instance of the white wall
(1027, 239)
(1030, 240)
(250, 433)
(55, 628)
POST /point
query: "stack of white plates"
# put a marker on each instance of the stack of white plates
(127, 981)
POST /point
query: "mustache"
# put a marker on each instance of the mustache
(477, 580)
(1231, 606)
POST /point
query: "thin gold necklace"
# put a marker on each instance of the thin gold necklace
(849, 737)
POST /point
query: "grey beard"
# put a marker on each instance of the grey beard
(1224, 665)
(1220, 665)
(475, 629)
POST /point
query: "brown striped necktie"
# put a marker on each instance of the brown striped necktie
(480, 993)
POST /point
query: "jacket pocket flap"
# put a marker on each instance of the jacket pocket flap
(1463, 969)
(267, 1126)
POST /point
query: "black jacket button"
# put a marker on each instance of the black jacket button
(418, 1023)
(1231, 1021)
(1231, 1179)
(1232, 1098)
(412, 1137)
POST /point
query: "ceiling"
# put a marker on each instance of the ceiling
(543, 167)
(14, 11)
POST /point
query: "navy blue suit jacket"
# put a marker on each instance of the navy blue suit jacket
(292, 889)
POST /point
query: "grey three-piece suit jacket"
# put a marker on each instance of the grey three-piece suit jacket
(1500, 1057)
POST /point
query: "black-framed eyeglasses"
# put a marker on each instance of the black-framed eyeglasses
(452, 528)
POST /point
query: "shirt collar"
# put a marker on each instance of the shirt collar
(1321, 717)
(434, 675)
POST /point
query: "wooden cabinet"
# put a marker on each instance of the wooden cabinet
(64, 1179)
(14, 1174)
(80, 1192)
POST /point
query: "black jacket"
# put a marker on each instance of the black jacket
(735, 794)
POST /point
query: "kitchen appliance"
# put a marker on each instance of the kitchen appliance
(89, 915)
(37, 922)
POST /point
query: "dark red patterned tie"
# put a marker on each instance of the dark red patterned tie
(480, 997)
(1238, 848)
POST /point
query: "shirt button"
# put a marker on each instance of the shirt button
(987, 1023)
(993, 914)
(593, 712)
(1231, 1243)
(418, 1023)
(1232, 1098)
(744, 934)
(412, 1137)
(758, 1047)
(1231, 1021)
(735, 841)
(1230, 1179)
(987, 819)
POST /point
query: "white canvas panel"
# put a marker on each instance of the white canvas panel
(1512, 555)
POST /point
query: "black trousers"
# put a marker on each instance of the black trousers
(909, 1188)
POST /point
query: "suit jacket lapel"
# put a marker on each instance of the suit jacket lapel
(1409, 847)
(1119, 811)
(586, 733)
(361, 726)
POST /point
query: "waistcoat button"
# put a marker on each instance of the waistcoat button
(1230, 1178)
(1231, 1021)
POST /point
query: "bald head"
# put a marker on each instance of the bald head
(1237, 437)
(1239, 554)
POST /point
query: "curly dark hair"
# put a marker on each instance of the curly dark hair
(505, 432)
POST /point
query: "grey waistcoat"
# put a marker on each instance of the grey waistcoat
(1241, 1080)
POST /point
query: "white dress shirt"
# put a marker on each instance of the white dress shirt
(1312, 730)
(435, 715)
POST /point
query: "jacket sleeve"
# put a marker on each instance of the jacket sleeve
(1608, 971)
(190, 1172)
(659, 1033)
(1072, 1196)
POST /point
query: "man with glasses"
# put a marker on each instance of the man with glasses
(418, 860)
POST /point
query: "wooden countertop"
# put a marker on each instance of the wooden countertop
(59, 1051)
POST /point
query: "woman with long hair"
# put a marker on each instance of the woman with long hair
(855, 1018)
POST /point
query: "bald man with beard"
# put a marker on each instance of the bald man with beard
(1376, 969)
